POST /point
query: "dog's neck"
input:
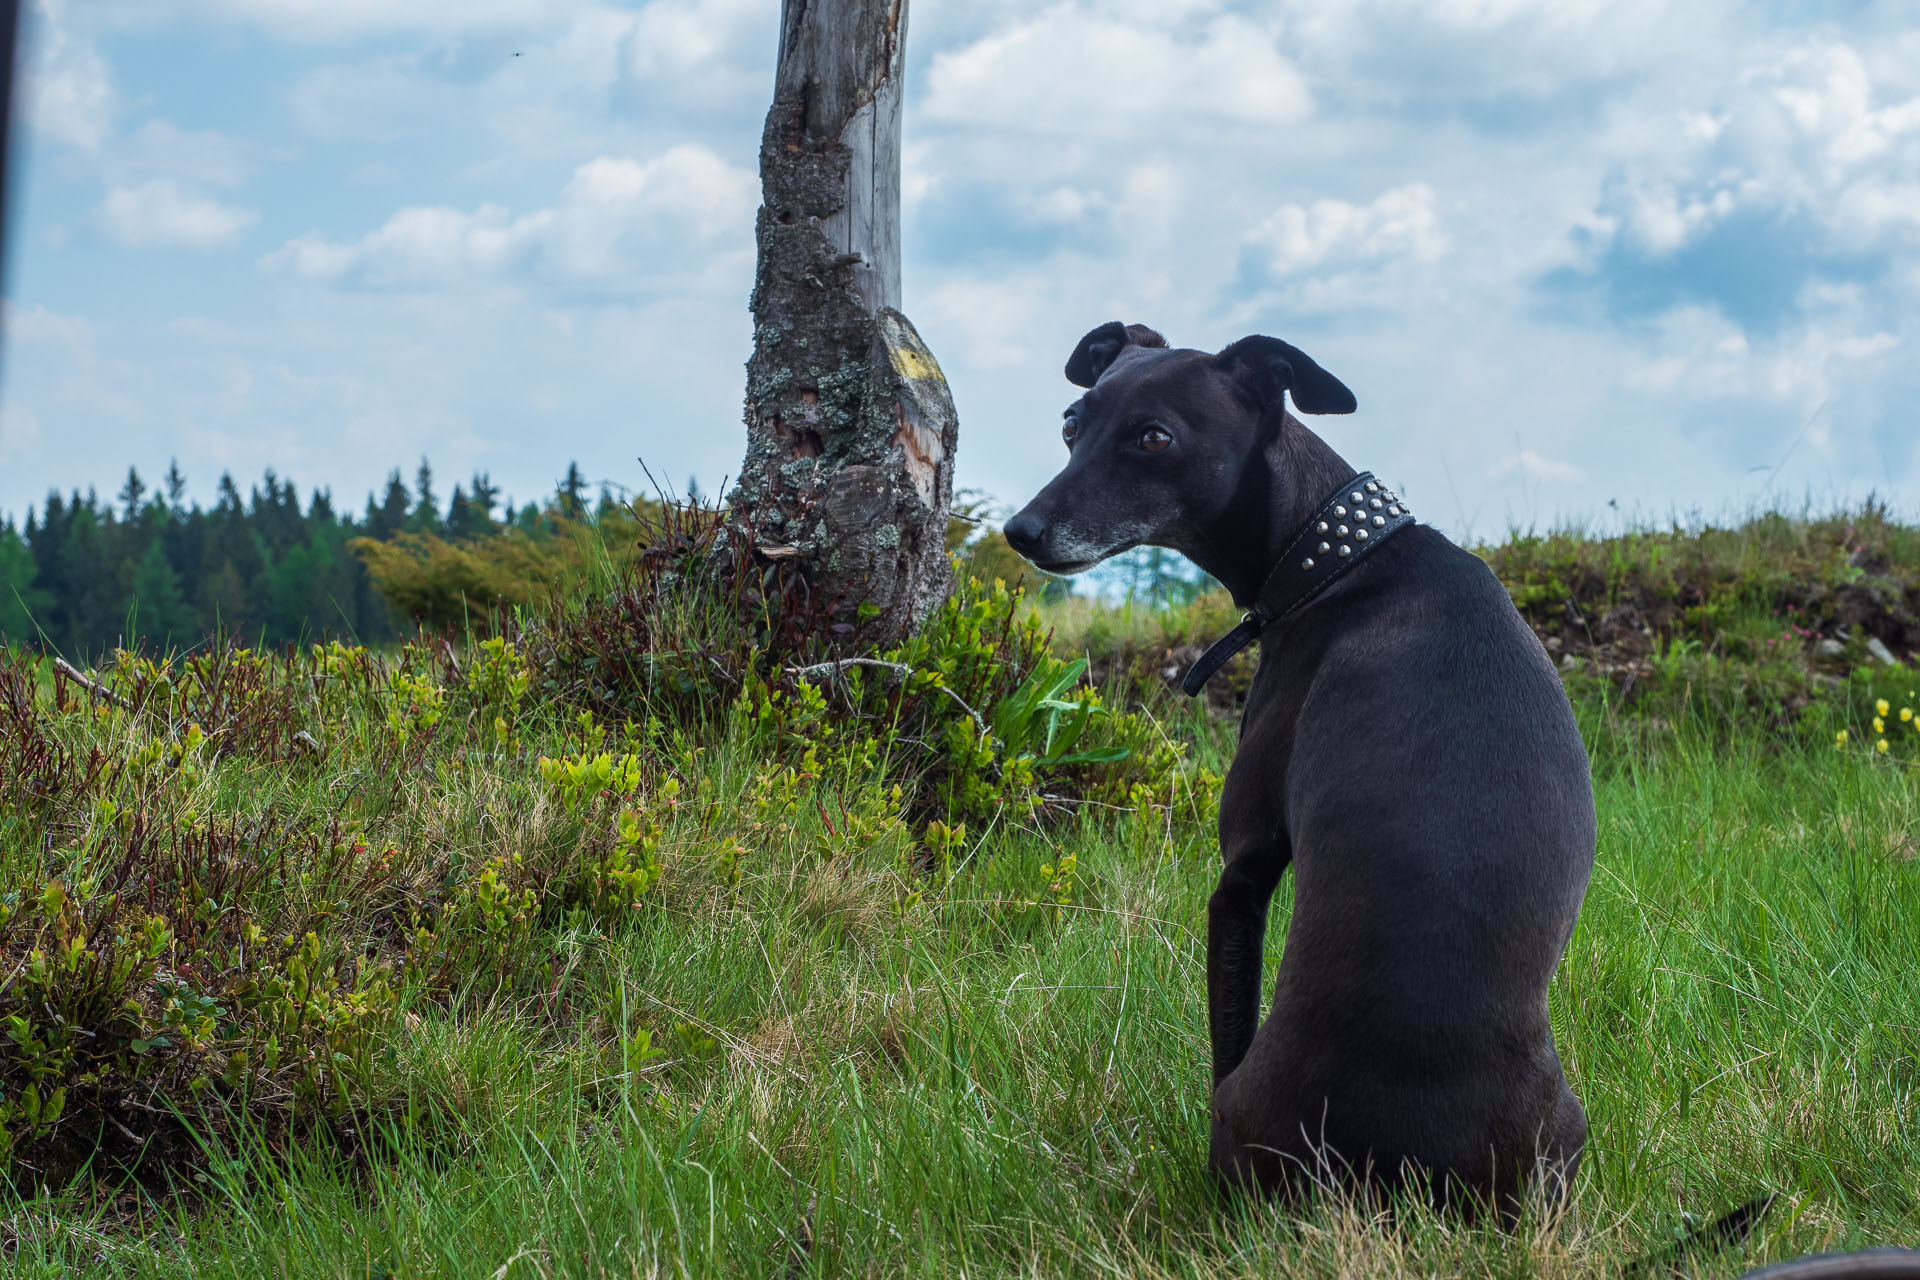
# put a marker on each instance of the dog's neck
(1279, 491)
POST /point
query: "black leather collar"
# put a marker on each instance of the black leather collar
(1360, 516)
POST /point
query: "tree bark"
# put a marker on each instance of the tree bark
(850, 426)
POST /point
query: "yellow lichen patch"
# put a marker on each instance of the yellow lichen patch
(915, 364)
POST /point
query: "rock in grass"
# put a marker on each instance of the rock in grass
(1880, 653)
(1829, 648)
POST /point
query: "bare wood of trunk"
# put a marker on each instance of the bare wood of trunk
(850, 426)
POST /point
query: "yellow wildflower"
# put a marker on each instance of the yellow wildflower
(1840, 738)
(1881, 746)
(1879, 725)
(1881, 706)
(1906, 713)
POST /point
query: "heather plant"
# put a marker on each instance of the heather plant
(971, 715)
(228, 872)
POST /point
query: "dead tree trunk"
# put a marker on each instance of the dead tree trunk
(850, 427)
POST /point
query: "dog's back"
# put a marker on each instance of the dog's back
(1408, 743)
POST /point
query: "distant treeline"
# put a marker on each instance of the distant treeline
(82, 576)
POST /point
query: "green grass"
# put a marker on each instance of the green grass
(829, 1039)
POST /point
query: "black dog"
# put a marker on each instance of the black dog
(1406, 747)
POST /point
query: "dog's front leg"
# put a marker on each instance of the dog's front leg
(1236, 939)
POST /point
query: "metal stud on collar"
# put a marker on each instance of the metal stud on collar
(1284, 592)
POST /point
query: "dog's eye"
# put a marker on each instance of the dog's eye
(1155, 439)
(1069, 429)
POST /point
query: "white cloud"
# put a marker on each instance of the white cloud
(70, 94)
(678, 37)
(1450, 53)
(40, 324)
(159, 148)
(1400, 223)
(1697, 355)
(1662, 220)
(609, 213)
(163, 214)
(994, 319)
(387, 97)
(1066, 204)
(18, 429)
(1529, 465)
(1806, 133)
(919, 176)
(1816, 364)
(344, 19)
(1695, 352)
(1081, 71)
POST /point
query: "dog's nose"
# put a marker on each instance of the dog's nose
(1024, 532)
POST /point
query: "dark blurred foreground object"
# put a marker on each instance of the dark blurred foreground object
(1732, 1229)
(9, 42)
(848, 473)
(1869, 1264)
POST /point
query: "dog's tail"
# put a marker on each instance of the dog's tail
(1728, 1229)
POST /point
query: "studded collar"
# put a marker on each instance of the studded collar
(1361, 514)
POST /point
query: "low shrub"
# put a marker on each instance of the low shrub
(475, 584)
(228, 878)
(972, 716)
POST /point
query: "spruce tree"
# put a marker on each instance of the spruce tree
(483, 496)
(390, 517)
(426, 514)
(23, 606)
(131, 494)
(572, 492)
(159, 608)
(459, 514)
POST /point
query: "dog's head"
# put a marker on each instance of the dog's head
(1161, 444)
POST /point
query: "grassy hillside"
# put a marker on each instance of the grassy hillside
(637, 941)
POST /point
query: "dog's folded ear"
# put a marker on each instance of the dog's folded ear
(1264, 367)
(1101, 347)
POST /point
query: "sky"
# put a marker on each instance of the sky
(1583, 262)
